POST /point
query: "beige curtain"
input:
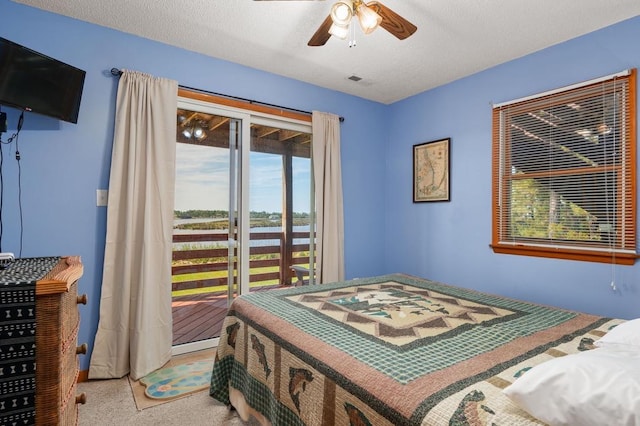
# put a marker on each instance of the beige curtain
(135, 327)
(328, 189)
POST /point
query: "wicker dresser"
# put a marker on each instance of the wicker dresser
(57, 322)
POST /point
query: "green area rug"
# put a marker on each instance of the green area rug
(178, 380)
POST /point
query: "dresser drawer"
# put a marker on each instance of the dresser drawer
(57, 324)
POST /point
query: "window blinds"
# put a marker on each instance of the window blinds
(564, 167)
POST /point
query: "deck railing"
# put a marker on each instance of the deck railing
(195, 267)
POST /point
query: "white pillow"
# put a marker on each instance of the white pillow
(596, 387)
(622, 336)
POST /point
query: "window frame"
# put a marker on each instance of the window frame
(503, 242)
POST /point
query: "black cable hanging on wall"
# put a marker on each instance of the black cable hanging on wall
(13, 137)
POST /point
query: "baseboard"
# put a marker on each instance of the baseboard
(83, 376)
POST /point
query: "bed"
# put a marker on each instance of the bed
(392, 350)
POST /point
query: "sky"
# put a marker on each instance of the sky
(202, 180)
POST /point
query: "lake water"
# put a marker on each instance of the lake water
(257, 243)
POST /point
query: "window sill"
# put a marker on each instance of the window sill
(568, 254)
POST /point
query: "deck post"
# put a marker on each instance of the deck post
(286, 259)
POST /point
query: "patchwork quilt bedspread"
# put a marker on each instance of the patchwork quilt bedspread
(389, 350)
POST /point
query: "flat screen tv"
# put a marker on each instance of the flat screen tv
(35, 82)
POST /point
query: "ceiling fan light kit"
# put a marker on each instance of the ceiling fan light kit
(369, 20)
(340, 31)
(342, 12)
(370, 16)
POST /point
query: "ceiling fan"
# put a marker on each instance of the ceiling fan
(370, 16)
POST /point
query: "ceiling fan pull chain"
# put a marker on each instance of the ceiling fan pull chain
(352, 36)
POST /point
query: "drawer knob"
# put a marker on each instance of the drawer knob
(82, 300)
(82, 349)
(81, 399)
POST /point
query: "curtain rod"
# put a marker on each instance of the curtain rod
(117, 72)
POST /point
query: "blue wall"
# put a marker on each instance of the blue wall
(63, 164)
(450, 241)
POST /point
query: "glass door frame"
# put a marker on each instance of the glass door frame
(238, 197)
(239, 188)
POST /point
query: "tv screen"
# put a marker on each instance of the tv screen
(35, 82)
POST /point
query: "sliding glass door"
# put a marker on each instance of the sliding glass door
(243, 213)
(210, 254)
(280, 202)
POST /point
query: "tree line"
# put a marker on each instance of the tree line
(221, 214)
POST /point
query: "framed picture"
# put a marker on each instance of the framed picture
(431, 171)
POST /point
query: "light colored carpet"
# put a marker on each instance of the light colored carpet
(111, 403)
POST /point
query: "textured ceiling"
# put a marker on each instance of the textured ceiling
(455, 38)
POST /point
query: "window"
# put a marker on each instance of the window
(564, 173)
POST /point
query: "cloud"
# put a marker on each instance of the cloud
(202, 178)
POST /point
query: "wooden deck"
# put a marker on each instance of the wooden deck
(199, 317)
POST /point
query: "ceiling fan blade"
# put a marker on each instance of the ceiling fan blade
(392, 22)
(321, 35)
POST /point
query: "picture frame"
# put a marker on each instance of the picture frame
(431, 176)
